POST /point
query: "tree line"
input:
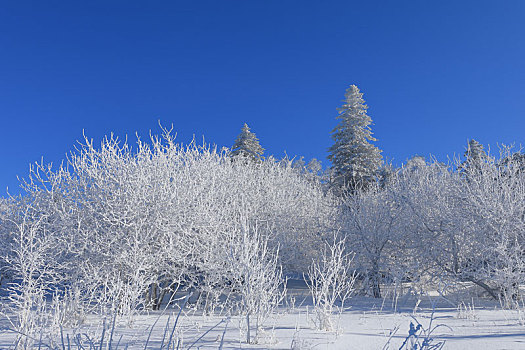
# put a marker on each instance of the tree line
(121, 228)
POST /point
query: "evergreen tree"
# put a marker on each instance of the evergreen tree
(355, 161)
(475, 157)
(247, 145)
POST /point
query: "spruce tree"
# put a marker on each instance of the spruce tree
(475, 157)
(247, 145)
(355, 161)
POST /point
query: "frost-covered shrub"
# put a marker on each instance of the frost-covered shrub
(254, 276)
(33, 262)
(330, 280)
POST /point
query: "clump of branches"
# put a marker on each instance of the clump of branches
(331, 282)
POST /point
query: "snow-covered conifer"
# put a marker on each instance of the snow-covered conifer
(247, 144)
(355, 160)
(475, 156)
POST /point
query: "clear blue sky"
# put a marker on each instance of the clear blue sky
(434, 73)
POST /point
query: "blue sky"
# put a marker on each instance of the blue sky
(434, 74)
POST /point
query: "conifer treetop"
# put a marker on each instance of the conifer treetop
(247, 144)
(475, 155)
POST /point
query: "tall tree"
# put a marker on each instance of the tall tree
(355, 161)
(247, 144)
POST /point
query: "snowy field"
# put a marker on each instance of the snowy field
(368, 324)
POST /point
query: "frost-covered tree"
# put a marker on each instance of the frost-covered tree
(474, 157)
(315, 167)
(371, 221)
(436, 229)
(355, 160)
(4, 214)
(299, 164)
(247, 144)
(415, 163)
(516, 158)
(495, 204)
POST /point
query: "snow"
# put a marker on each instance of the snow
(368, 324)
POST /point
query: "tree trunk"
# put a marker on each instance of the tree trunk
(375, 280)
(248, 336)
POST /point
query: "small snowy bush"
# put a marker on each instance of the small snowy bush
(331, 281)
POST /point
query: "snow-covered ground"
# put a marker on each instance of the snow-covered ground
(369, 324)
